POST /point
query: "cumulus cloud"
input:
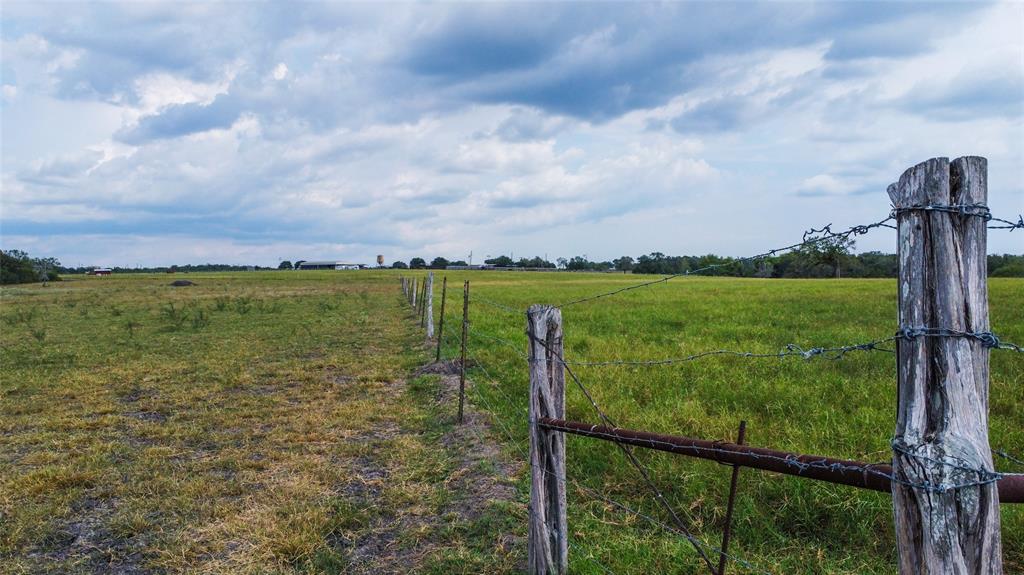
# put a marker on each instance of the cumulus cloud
(349, 130)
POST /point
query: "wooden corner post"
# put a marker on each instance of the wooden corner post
(946, 511)
(548, 544)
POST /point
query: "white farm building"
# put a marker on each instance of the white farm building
(330, 266)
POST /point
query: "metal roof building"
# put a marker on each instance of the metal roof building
(329, 266)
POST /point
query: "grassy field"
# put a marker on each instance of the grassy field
(838, 408)
(273, 422)
(252, 423)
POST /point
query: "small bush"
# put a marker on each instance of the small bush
(200, 319)
(173, 315)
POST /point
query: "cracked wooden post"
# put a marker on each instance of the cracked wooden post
(942, 386)
(548, 544)
(430, 306)
(440, 321)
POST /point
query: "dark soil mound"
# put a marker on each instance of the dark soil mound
(181, 283)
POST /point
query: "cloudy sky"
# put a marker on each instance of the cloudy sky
(159, 133)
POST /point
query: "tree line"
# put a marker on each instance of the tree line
(817, 261)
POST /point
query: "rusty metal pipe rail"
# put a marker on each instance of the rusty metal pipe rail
(829, 469)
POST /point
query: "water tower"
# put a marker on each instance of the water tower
(380, 260)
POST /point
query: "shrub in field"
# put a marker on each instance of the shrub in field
(243, 304)
(221, 302)
(173, 315)
(199, 318)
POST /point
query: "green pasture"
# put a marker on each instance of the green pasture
(840, 408)
(229, 427)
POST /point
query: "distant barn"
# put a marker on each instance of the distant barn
(329, 266)
(100, 272)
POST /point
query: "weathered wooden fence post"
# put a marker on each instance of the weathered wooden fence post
(423, 303)
(548, 544)
(429, 313)
(440, 321)
(462, 358)
(412, 298)
(942, 411)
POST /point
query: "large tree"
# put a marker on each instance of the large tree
(16, 268)
(832, 252)
(417, 263)
(285, 265)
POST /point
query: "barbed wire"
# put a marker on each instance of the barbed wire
(985, 476)
(502, 341)
(492, 303)
(815, 236)
(975, 209)
(826, 233)
(987, 339)
(1002, 453)
(835, 353)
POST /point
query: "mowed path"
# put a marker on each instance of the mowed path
(253, 423)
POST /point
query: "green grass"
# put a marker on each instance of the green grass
(838, 408)
(254, 423)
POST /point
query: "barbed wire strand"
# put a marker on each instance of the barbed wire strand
(984, 476)
(814, 236)
(987, 339)
(827, 234)
(1002, 453)
(974, 209)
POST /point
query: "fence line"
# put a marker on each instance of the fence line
(985, 340)
(477, 364)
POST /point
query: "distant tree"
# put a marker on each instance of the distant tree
(831, 252)
(458, 263)
(439, 263)
(534, 262)
(625, 264)
(16, 268)
(285, 265)
(500, 261)
(399, 266)
(417, 263)
(298, 263)
(562, 263)
(577, 263)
